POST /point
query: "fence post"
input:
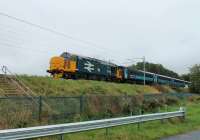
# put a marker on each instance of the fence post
(61, 137)
(40, 108)
(107, 133)
(81, 104)
(183, 110)
(139, 113)
(162, 120)
(166, 108)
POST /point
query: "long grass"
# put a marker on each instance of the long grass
(48, 86)
(147, 131)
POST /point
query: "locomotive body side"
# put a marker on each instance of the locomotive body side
(74, 67)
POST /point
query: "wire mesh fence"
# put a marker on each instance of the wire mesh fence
(22, 111)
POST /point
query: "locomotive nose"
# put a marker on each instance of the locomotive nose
(56, 65)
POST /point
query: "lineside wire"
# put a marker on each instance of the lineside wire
(10, 29)
(52, 31)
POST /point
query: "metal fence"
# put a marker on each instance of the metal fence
(178, 95)
(42, 131)
(20, 111)
(12, 108)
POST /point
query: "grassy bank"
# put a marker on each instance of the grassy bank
(147, 131)
(48, 86)
(101, 107)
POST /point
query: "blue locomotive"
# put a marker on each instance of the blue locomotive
(71, 66)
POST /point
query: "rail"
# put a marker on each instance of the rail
(43, 131)
(16, 80)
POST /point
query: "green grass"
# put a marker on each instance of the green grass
(48, 86)
(148, 131)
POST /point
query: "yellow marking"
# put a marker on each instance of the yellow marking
(119, 74)
(57, 76)
(70, 66)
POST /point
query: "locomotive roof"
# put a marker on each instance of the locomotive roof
(68, 55)
(166, 77)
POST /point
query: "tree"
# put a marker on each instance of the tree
(195, 78)
(185, 77)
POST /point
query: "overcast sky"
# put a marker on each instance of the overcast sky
(165, 31)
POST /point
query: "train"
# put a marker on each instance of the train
(72, 66)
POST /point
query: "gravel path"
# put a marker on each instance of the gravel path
(195, 135)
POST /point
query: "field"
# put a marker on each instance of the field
(49, 87)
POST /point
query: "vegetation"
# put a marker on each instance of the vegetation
(185, 77)
(50, 87)
(147, 131)
(195, 78)
(97, 106)
(61, 110)
(155, 68)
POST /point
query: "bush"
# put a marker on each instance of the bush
(195, 78)
(171, 100)
(13, 116)
(194, 98)
(111, 106)
(150, 105)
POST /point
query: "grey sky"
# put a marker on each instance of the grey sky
(165, 31)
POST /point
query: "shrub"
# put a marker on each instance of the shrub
(150, 105)
(16, 118)
(171, 100)
(193, 98)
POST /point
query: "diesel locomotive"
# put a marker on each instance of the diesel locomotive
(71, 66)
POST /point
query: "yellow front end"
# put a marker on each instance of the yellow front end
(59, 66)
